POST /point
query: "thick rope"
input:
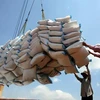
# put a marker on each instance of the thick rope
(43, 15)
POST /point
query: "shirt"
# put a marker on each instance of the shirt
(86, 88)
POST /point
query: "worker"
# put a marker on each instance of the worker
(95, 48)
(86, 88)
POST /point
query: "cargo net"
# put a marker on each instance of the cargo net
(42, 53)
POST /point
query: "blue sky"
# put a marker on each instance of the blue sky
(86, 12)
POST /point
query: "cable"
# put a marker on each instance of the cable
(17, 28)
(22, 18)
(22, 30)
(17, 25)
(30, 8)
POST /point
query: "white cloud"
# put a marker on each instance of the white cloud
(55, 79)
(21, 98)
(98, 84)
(95, 64)
(82, 69)
(44, 93)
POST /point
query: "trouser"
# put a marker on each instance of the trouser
(87, 98)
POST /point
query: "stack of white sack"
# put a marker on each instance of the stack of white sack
(62, 39)
(43, 52)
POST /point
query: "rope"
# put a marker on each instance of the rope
(20, 19)
(18, 22)
(43, 15)
(30, 8)
(22, 30)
